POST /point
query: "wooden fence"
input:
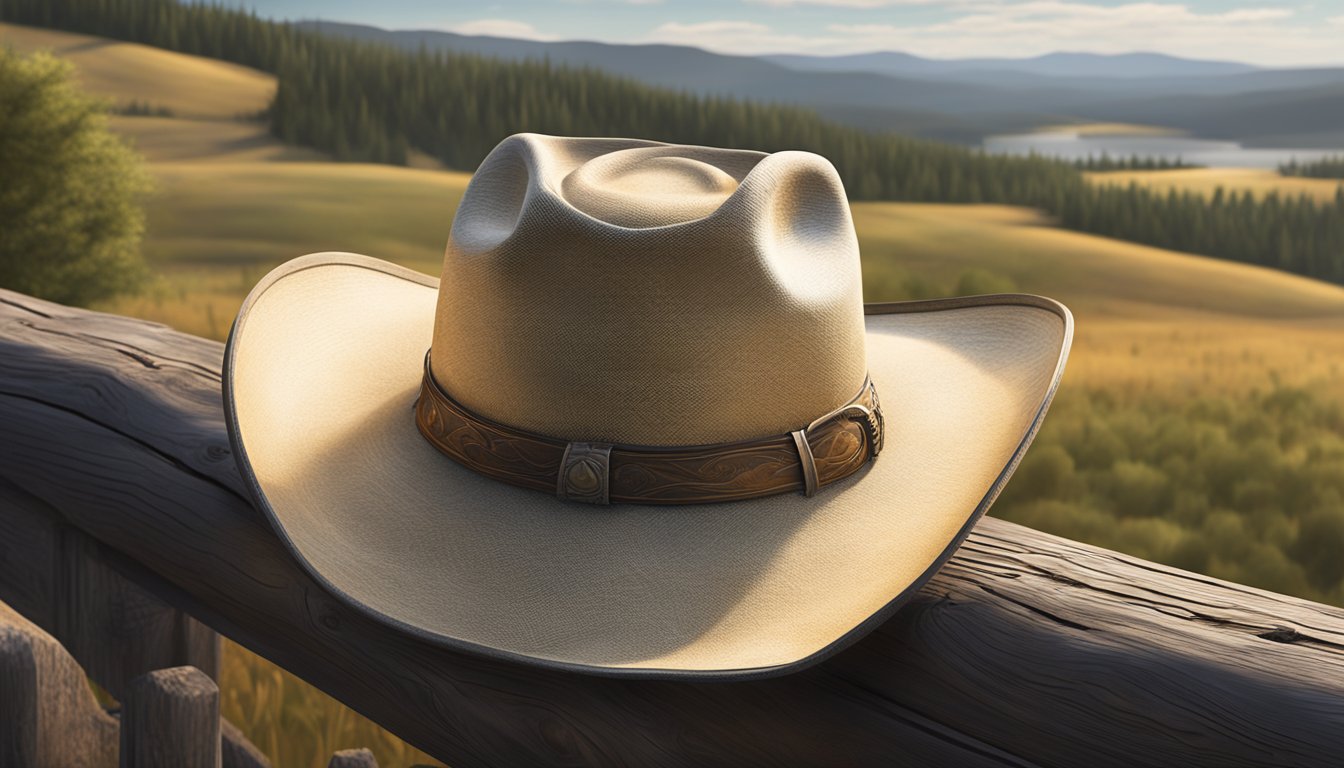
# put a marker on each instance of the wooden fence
(1026, 649)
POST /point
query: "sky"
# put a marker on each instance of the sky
(1254, 31)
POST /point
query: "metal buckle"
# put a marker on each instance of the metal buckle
(870, 419)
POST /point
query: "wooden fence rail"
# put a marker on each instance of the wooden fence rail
(1026, 649)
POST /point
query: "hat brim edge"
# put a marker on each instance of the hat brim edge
(847, 639)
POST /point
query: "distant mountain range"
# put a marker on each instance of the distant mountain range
(959, 100)
(1124, 65)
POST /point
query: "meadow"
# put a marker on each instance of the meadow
(1200, 423)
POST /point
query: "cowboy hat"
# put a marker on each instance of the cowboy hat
(643, 425)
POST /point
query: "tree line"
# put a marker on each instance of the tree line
(371, 102)
(1331, 167)
(1105, 162)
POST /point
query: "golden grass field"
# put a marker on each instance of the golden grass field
(1149, 321)
(232, 203)
(190, 86)
(1205, 181)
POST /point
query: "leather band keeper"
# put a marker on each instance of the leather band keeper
(832, 447)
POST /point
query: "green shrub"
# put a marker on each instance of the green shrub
(70, 214)
(1249, 488)
(1320, 546)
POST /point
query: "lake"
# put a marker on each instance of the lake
(1068, 145)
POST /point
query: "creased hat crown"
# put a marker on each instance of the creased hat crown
(626, 291)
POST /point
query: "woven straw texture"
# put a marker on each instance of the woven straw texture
(623, 291)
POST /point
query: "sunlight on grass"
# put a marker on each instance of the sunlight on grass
(295, 724)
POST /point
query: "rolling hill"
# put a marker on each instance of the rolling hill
(213, 104)
(188, 86)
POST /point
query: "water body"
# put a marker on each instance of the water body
(1068, 145)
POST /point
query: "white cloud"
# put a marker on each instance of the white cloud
(1264, 35)
(862, 4)
(737, 37)
(1271, 35)
(500, 28)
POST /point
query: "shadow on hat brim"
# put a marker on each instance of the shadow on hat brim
(321, 371)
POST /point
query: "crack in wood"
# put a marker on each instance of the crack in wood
(1034, 609)
(168, 457)
(138, 354)
(18, 305)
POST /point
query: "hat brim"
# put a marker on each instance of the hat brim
(321, 371)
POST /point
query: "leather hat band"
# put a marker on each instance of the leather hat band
(832, 447)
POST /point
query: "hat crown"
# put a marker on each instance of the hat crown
(624, 291)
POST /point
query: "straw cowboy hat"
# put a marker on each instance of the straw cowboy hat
(643, 425)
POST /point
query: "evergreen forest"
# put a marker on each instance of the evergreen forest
(1326, 168)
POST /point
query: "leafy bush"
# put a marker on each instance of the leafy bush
(1249, 489)
(70, 215)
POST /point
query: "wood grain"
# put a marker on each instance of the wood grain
(115, 629)
(353, 758)
(1026, 649)
(48, 716)
(236, 750)
(170, 719)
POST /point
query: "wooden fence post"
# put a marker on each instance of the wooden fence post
(48, 716)
(59, 578)
(170, 719)
(117, 630)
(353, 758)
(236, 751)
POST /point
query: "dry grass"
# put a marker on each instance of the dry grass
(1149, 322)
(295, 724)
(190, 86)
(163, 139)
(216, 228)
(1259, 181)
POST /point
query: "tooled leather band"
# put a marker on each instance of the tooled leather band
(832, 447)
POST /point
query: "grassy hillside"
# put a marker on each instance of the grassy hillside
(1207, 180)
(1150, 322)
(212, 104)
(188, 86)
(229, 141)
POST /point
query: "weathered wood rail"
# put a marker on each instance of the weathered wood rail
(1026, 649)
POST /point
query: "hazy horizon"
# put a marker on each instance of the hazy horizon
(1303, 34)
